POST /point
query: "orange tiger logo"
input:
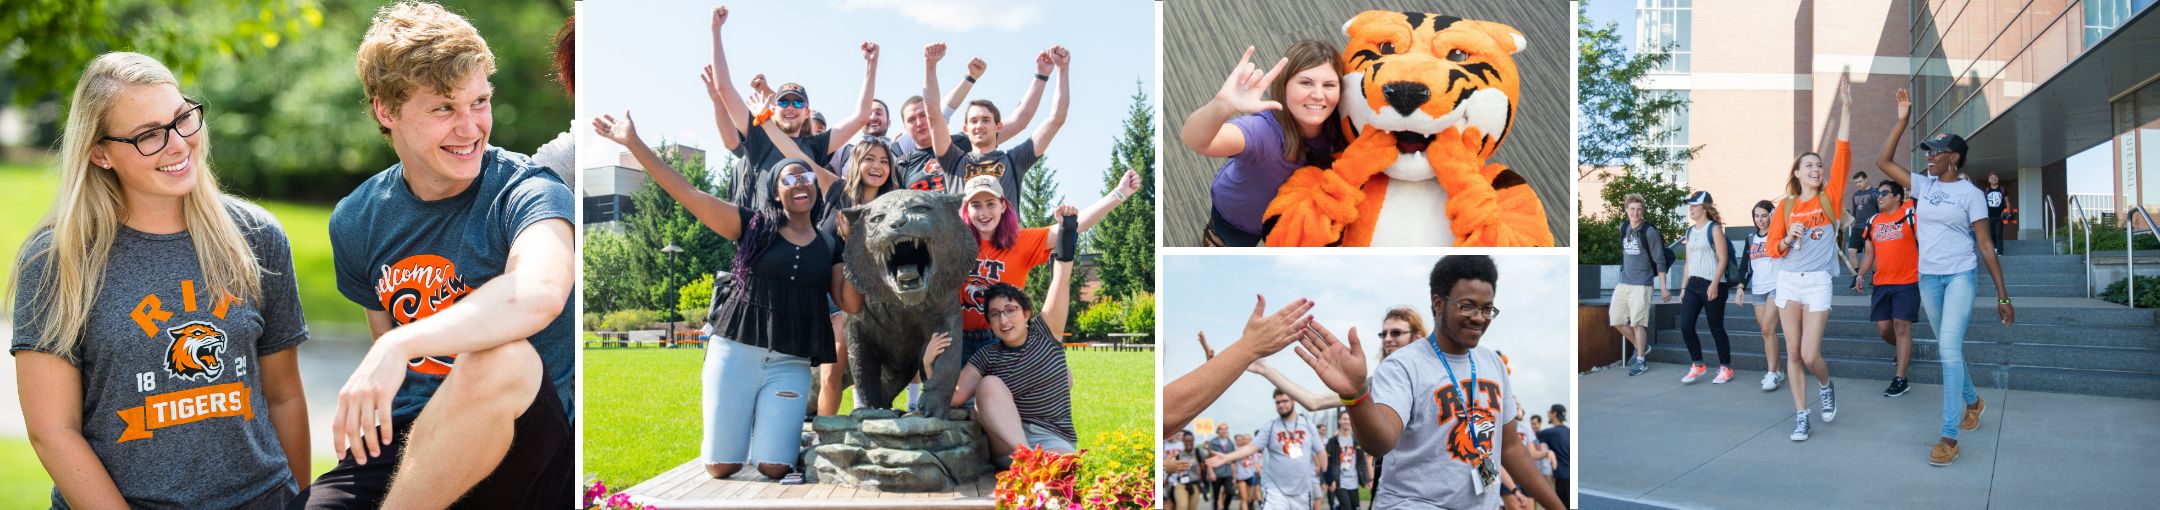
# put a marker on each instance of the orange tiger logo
(1472, 429)
(197, 350)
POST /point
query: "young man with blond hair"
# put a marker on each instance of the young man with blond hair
(462, 255)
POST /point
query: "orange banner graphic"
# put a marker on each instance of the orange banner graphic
(181, 407)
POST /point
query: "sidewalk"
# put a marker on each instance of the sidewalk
(1648, 440)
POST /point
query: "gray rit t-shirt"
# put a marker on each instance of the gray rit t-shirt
(922, 169)
(1290, 445)
(411, 258)
(1009, 166)
(171, 379)
(1415, 385)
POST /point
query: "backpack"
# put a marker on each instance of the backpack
(1736, 266)
(1661, 257)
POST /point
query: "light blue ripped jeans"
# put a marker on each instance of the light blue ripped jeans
(753, 405)
(1948, 300)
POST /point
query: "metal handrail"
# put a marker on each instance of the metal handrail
(2077, 218)
(2130, 245)
(2047, 222)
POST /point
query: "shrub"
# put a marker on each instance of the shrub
(626, 320)
(1140, 313)
(2148, 292)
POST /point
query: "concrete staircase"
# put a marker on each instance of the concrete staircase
(2062, 342)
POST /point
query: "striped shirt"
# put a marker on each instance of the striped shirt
(1036, 373)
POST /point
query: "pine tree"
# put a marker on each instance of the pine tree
(1125, 239)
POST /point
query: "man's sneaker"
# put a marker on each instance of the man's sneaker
(1972, 415)
(1897, 387)
(1828, 395)
(1800, 428)
(1724, 375)
(1693, 372)
(1771, 380)
(1637, 366)
(1942, 454)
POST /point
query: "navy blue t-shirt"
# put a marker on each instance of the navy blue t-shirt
(395, 252)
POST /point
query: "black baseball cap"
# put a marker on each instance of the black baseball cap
(1945, 142)
(794, 89)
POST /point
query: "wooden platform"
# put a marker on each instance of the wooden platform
(689, 487)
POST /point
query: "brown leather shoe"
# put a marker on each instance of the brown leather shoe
(1972, 415)
(1942, 454)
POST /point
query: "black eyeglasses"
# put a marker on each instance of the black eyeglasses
(151, 142)
(1467, 310)
(1394, 333)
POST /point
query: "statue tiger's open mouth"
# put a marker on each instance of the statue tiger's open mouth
(908, 264)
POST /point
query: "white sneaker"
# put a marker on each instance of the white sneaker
(1771, 381)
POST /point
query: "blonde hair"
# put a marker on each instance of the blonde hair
(1793, 188)
(86, 216)
(416, 44)
(1408, 316)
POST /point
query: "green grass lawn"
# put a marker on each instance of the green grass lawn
(307, 225)
(642, 419)
(23, 483)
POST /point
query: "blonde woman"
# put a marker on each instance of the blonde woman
(154, 315)
(1805, 222)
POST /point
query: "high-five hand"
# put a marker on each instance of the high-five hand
(623, 132)
(1340, 366)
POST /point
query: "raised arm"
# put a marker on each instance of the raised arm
(1887, 161)
(51, 393)
(1055, 56)
(1207, 130)
(730, 135)
(1305, 397)
(1265, 334)
(1049, 128)
(1095, 213)
(846, 129)
(738, 114)
(959, 94)
(939, 141)
(1058, 298)
(788, 148)
(1234, 455)
(717, 214)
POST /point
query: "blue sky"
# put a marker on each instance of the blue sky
(646, 56)
(2091, 171)
(1214, 293)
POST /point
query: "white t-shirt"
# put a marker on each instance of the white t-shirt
(1415, 384)
(1764, 266)
(1291, 446)
(1945, 213)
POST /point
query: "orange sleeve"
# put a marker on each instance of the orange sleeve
(1841, 173)
(1776, 233)
(1034, 246)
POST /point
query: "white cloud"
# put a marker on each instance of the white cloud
(959, 15)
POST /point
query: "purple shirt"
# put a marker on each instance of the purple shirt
(1246, 183)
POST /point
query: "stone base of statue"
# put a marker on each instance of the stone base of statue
(880, 449)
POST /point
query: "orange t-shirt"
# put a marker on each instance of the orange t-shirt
(1820, 246)
(1009, 265)
(1897, 250)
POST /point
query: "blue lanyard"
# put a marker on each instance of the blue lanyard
(1461, 394)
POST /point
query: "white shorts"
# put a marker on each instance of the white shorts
(1811, 288)
(1274, 500)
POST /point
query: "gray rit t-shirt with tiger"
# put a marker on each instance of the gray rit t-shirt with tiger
(173, 402)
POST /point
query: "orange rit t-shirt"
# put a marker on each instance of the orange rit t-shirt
(1897, 250)
(1010, 266)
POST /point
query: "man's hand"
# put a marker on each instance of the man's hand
(719, 17)
(1340, 366)
(870, 52)
(976, 66)
(361, 426)
(1207, 352)
(1270, 333)
(933, 52)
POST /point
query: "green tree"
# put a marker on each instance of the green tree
(1140, 313)
(1100, 320)
(1125, 239)
(628, 270)
(49, 41)
(693, 297)
(1621, 126)
(1038, 198)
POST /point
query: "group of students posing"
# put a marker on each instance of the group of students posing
(156, 318)
(783, 317)
(1918, 243)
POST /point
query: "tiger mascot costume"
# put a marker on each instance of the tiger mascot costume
(1426, 100)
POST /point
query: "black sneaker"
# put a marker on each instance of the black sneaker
(1637, 366)
(1897, 387)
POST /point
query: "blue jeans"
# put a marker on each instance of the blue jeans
(763, 426)
(1948, 302)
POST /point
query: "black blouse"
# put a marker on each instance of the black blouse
(783, 307)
